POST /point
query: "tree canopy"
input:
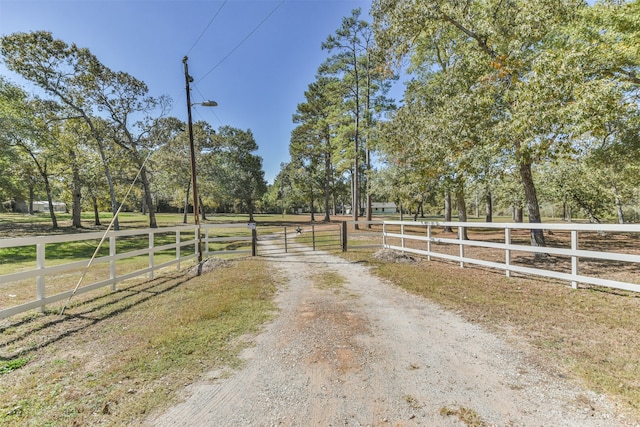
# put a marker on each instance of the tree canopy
(91, 130)
(528, 106)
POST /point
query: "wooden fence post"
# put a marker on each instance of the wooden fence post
(40, 284)
(507, 251)
(428, 242)
(112, 262)
(151, 254)
(178, 249)
(574, 259)
(461, 238)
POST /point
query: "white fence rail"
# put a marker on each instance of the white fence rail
(496, 245)
(576, 253)
(42, 268)
(363, 234)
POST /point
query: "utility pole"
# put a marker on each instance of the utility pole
(188, 80)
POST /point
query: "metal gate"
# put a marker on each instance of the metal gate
(273, 239)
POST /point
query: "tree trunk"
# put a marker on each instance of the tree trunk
(447, 211)
(419, 211)
(334, 201)
(489, 207)
(477, 206)
(147, 196)
(312, 208)
(533, 208)
(618, 203)
(592, 218)
(354, 197)
(52, 213)
(186, 203)
(76, 192)
(96, 211)
(517, 213)
(355, 211)
(462, 209)
(107, 174)
(203, 215)
(250, 206)
(368, 187)
(368, 117)
(327, 187)
(356, 142)
(31, 197)
(44, 174)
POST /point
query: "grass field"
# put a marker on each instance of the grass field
(16, 224)
(114, 357)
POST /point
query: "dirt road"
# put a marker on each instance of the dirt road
(349, 349)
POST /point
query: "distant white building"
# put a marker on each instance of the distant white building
(378, 208)
(383, 208)
(43, 206)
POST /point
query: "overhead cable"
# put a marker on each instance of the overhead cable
(207, 27)
(242, 41)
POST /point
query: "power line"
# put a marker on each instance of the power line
(242, 41)
(207, 27)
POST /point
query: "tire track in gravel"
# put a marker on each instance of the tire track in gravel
(365, 353)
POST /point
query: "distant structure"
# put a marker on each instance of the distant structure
(43, 206)
(382, 208)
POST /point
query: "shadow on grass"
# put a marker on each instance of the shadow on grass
(18, 338)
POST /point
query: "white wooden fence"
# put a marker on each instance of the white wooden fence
(575, 260)
(615, 268)
(40, 268)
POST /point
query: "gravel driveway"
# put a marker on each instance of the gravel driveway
(365, 353)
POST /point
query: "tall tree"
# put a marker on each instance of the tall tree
(32, 127)
(241, 176)
(313, 139)
(61, 70)
(510, 52)
(40, 145)
(349, 44)
(122, 96)
(13, 124)
(84, 86)
(361, 68)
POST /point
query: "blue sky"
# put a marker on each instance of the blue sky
(257, 87)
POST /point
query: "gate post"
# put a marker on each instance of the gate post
(286, 249)
(254, 241)
(313, 236)
(343, 236)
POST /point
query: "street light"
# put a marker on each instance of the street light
(189, 79)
